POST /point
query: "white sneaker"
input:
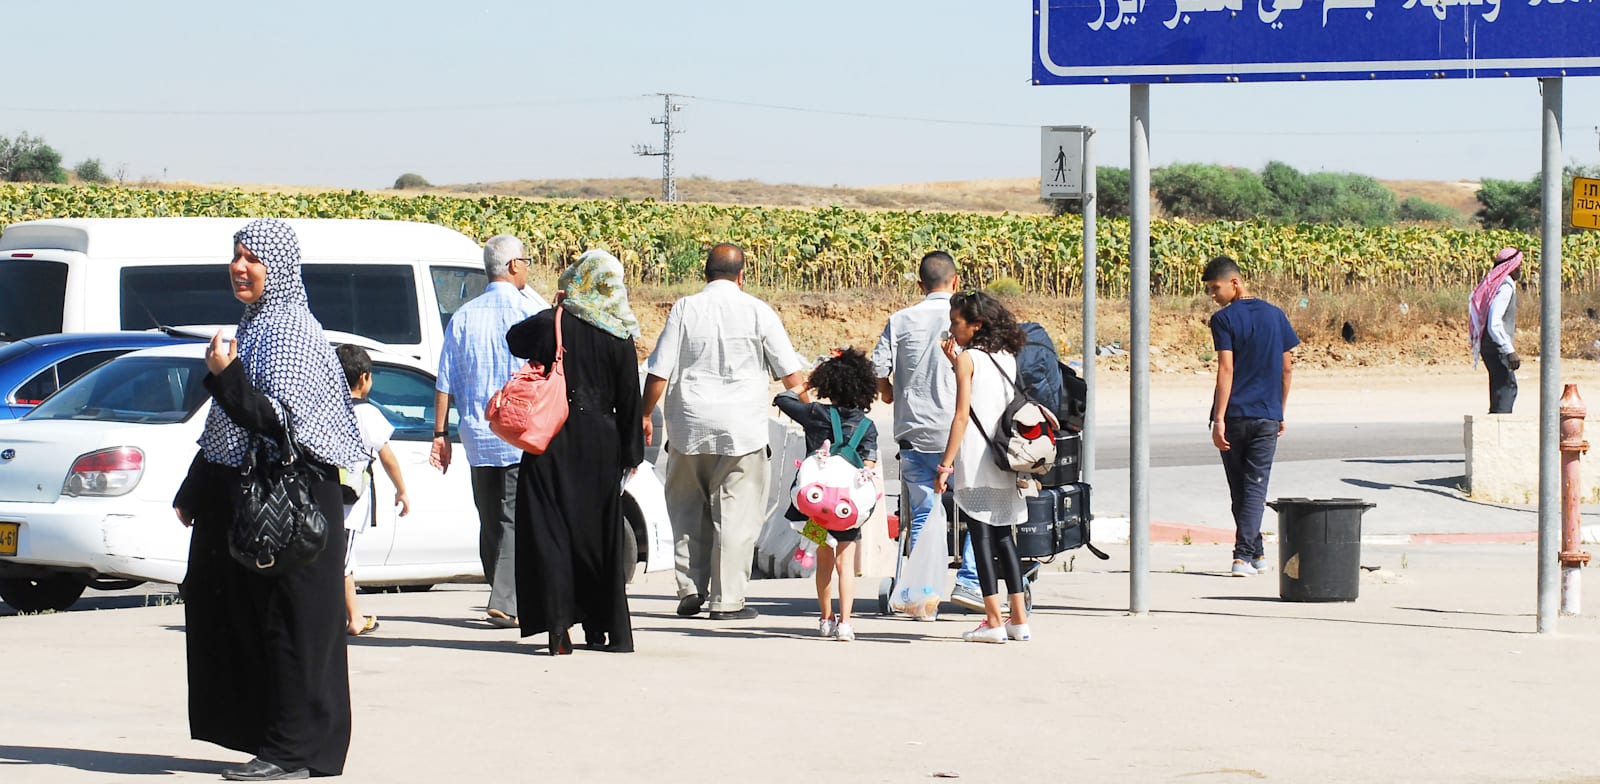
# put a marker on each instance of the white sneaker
(985, 633)
(1242, 568)
(844, 632)
(827, 627)
(1018, 631)
(1261, 565)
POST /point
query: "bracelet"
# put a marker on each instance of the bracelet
(441, 434)
(944, 469)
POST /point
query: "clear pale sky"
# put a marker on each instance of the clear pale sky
(352, 94)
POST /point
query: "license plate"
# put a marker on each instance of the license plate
(8, 538)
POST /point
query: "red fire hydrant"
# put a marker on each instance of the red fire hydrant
(1572, 446)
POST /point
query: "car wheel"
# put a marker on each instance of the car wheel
(630, 546)
(57, 592)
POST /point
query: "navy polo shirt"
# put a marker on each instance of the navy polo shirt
(1258, 334)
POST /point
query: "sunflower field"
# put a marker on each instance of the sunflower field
(831, 248)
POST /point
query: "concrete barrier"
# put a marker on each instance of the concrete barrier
(1503, 459)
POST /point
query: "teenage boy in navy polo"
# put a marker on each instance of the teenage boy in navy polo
(1253, 340)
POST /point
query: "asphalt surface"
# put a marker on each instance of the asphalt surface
(1431, 675)
(1190, 444)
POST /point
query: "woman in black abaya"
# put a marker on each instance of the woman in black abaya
(267, 669)
(571, 567)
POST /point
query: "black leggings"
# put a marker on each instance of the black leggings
(995, 551)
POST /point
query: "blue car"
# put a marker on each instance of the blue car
(32, 368)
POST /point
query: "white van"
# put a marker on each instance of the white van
(396, 282)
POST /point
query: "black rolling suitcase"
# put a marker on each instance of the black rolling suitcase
(1058, 521)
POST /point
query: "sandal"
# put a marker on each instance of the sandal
(370, 627)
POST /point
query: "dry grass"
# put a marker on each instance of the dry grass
(1014, 195)
(1392, 329)
(744, 192)
(1461, 196)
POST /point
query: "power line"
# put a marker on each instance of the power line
(1186, 131)
(494, 106)
(463, 107)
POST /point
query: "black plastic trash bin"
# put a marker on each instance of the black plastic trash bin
(1319, 548)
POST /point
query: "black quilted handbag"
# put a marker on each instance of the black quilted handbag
(277, 526)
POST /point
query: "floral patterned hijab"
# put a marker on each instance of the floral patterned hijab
(597, 292)
(287, 358)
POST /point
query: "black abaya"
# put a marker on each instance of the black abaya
(268, 674)
(571, 567)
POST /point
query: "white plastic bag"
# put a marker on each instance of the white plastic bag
(921, 585)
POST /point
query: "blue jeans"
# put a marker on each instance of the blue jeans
(918, 470)
(1252, 443)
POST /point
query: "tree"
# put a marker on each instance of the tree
(28, 159)
(1509, 204)
(1197, 190)
(409, 180)
(1111, 195)
(1288, 187)
(91, 171)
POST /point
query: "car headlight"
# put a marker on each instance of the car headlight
(106, 472)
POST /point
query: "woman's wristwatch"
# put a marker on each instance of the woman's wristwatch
(441, 434)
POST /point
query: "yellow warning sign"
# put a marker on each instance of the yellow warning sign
(1585, 203)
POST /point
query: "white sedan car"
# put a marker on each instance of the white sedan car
(87, 481)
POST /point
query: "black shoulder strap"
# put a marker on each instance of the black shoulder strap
(1007, 377)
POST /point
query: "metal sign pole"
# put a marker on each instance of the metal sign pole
(1090, 282)
(1550, 361)
(1139, 354)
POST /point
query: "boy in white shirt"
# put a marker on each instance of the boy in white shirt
(359, 487)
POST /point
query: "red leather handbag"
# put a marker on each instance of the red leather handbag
(531, 408)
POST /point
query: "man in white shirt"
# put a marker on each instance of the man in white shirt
(1493, 320)
(714, 362)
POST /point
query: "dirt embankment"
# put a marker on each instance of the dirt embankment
(1382, 334)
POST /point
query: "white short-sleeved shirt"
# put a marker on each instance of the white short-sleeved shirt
(719, 352)
(375, 432)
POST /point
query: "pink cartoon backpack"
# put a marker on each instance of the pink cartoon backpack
(831, 487)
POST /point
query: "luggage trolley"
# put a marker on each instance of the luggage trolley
(1058, 521)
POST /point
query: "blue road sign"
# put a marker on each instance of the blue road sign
(1159, 41)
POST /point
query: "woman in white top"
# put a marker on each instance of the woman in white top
(988, 498)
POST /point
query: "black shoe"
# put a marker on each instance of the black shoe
(260, 770)
(689, 606)
(741, 614)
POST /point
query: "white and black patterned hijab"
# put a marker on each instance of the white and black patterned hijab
(288, 359)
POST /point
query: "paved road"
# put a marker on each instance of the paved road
(1221, 683)
(1190, 445)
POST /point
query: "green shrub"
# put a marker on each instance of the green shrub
(1418, 209)
(410, 180)
(1005, 287)
(1111, 195)
(1200, 191)
(91, 171)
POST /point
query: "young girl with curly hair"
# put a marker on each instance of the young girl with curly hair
(987, 498)
(849, 384)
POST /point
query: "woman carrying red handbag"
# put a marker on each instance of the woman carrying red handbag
(571, 568)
